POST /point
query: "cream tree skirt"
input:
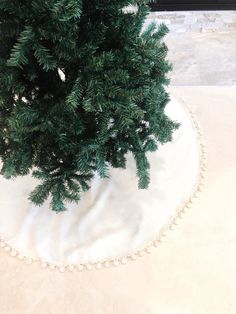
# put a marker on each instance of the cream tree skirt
(114, 221)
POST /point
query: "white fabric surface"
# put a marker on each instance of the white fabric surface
(114, 218)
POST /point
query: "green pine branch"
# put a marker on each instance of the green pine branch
(111, 102)
(19, 51)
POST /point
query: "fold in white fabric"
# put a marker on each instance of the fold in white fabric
(114, 217)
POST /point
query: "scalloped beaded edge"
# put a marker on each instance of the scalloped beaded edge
(117, 261)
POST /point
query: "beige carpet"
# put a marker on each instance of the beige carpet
(192, 272)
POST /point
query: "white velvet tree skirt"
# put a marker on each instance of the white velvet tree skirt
(114, 221)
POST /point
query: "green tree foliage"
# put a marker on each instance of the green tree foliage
(81, 85)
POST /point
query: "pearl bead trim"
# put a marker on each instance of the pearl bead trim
(117, 261)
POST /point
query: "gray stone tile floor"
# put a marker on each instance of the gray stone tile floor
(202, 46)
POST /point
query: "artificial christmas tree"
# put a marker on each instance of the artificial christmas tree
(80, 86)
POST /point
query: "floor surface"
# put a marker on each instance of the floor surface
(202, 46)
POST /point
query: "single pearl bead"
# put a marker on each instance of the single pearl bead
(134, 257)
(175, 221)
(116, 263)
(141, 253)
(80, 267)
(200, 188)
(62, 269)
(124, 260)
(98, 265)
(107, 264)
(172, 227)
(20, 256)
(148, 249)
(203, 175)
(71, 267)
(156, 243)
(44, 265)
